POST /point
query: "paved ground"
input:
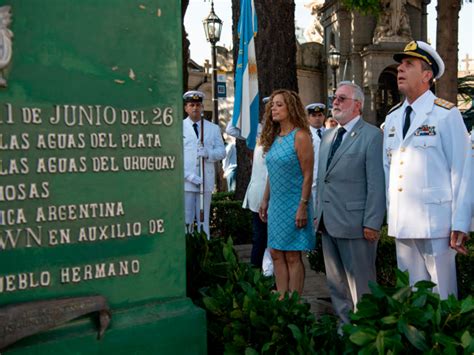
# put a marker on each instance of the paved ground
(315, 289)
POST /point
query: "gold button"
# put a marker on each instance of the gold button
(401, 162)
(401, 176)
(400, 189)
(402, 149)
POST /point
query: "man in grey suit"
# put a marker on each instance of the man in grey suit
(350, 203)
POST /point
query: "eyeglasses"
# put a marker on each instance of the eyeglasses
(341, 99)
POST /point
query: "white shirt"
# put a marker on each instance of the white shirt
(349, 126)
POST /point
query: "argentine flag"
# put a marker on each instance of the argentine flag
(245, 115)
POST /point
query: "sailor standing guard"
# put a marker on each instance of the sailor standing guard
(316, 120)
(427, 162)
(203, 146)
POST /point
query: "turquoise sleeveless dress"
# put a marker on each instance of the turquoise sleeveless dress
(286, 183)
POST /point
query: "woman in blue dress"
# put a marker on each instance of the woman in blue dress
(286, 204)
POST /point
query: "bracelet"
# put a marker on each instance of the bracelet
(304, 201)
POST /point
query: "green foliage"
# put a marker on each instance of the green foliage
(228, 218)
(386, 263)
(205, 264)
(244, 315)
(316, 258)
(363, 6)
(465, 270)
(404, 320)
(466, 87)
(466, 91)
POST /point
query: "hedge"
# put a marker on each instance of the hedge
(229, 219)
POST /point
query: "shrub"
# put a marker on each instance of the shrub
(386, 263)
(229, 219)
(244, 315)
(404, 320)
(316, 258)
(205, 264)
(465, 270)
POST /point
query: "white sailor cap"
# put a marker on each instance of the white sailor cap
(266, 99)
(193, 96)
(425, 52)
(315, 108)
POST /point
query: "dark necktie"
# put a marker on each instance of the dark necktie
(195, 126)
(336, 144)
(406, 123)
(319, 132)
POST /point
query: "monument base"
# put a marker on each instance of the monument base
(173, 327)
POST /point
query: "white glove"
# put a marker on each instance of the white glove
(202, 152)
(196, 180)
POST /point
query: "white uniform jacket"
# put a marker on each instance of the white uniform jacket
(215, 147)
(316, 144)
(258, 180)
(427, 173)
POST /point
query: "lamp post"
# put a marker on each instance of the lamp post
(212, 28)
(334, 58)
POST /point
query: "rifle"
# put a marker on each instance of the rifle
(201, 171)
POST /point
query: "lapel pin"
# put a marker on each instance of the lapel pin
(353, 134)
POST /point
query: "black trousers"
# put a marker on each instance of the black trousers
(259, 240)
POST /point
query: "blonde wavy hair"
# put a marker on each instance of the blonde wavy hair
(296, 113)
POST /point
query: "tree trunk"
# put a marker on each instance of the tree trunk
(185, 45)
(447, 47)
(275, 47)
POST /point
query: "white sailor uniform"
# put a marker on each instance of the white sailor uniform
(427, 179)
(214, 145)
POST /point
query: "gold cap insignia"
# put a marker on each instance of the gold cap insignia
(412, 46)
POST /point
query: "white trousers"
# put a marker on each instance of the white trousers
(192, 211)
(429, 259)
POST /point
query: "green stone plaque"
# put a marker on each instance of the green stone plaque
(91, 180)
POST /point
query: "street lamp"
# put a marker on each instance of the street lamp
(334, 58)
(212, 28)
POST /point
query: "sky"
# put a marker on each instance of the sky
(201, 49)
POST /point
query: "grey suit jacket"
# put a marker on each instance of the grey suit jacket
(351, 191)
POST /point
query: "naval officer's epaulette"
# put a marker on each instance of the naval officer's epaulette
(395, 107)
(444, 104)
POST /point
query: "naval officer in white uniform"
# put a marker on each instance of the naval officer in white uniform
(316, 120)
(212, 151)
(427, 164)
